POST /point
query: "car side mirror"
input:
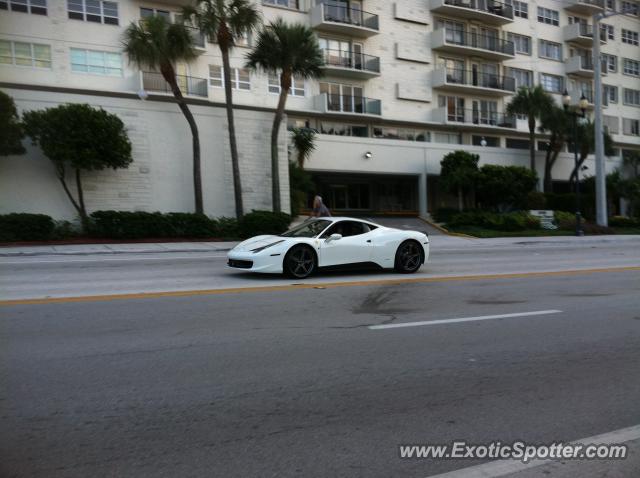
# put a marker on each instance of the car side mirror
(334, 237)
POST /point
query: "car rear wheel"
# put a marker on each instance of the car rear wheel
(300, 262)
(408, 257)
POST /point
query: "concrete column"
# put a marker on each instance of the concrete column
(422, 194)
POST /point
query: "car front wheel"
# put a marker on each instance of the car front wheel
(408, 257)
(300, 262)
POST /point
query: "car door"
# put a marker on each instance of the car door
(354, 246)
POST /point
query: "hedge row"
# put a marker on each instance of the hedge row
(511, 221)
(141, 225)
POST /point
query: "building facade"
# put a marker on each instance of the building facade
(405, 82)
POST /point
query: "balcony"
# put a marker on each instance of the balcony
(576, 94)
(473, 117)
(341, 20)
(461, 42)
(585, 7)
(189, 85)
(350, 64)
(489, 12)
(348, 105)
(582, 34)
(472, 82)
(582, 66)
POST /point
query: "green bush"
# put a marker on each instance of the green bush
(536, 200)
(444, 214)
(504, 187)
(512, 221)
(566, 221)
(257, 223)
(622, 221)
(228, 228)
(65, 230)
(186, 224)
(26, 227)
(129, 225)
(567, 202)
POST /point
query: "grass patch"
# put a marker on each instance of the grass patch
(489, 233)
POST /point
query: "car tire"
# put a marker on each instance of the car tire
(409, 257)
(300, 262)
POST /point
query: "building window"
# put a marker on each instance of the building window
(341, 129)
(630, 8)
(295, 4)
(611, 4)
(630, 127)
(406, 134)
(297, 85)
(514, 143)
(36, 7)
(454, 106)
(522, 43)
(150, 12)
(551, 83)
(96, 62)
(520, 9)
(240, 78)
(447, 138)
(522, 77)
(96, 11)
(631, 97)
(609, 31)
(611, 61)
(25, 54)
(548, 16)
(491, 141)
(610, 93)
(550, 50)
(631, 67)
(611, 124)
(629, 37)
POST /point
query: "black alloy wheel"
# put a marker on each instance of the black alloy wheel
(300, 262)
(408, 257)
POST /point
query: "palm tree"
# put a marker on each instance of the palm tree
(556, 122)
(533, 102)
(226, 21)
(158, 45)
(304, 142)
(287, 50)
(587, 145)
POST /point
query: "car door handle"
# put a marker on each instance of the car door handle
(369, 240)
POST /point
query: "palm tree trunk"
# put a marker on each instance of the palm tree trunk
(532, 140)
(61, 176)
(548, 165)
(170, 77)
(82, 208)
(275, 133)
(235, 162)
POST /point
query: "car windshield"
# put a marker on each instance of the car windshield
(308, 229)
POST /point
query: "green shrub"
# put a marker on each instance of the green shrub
(186, 224)
(129, 225)
(65, 230)
(26, 227)
(622, 221)
(257, 223)
(504, 187)
(536, 200)
(512, 221)
(566, 221)
(444, 214)
(228, 228)
(591, 229)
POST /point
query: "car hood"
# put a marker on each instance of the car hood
(256, 242)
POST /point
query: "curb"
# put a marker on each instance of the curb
(445, 231)
(104, 253)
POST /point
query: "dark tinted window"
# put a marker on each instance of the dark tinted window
(348, 229)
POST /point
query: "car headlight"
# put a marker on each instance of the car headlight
(260, 249)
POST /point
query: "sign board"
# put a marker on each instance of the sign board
(546, 218)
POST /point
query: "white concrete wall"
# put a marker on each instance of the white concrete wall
(160, 178)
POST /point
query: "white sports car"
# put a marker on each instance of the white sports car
(332, 243)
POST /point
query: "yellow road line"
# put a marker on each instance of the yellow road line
(328, 285)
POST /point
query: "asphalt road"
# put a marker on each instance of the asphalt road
(294, 382)
(68, 274)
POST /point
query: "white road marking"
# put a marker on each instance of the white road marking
(498, 468)
(465, 319)
(109, 259)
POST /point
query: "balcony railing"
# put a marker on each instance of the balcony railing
(477, 40)
(481, 118)
(338, 13)
(457, 76)
(488, 6)
(354, 104)
(586, 3)
(352, 60)
(189, 85)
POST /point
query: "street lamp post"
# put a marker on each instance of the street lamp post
(566, 102)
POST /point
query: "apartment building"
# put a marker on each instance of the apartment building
(405, 82)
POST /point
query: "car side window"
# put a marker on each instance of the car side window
(347, 229)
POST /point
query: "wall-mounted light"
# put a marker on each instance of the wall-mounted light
(483, 142)
(142, 94)
(368, 155)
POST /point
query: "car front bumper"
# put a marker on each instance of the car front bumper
(264, 262)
